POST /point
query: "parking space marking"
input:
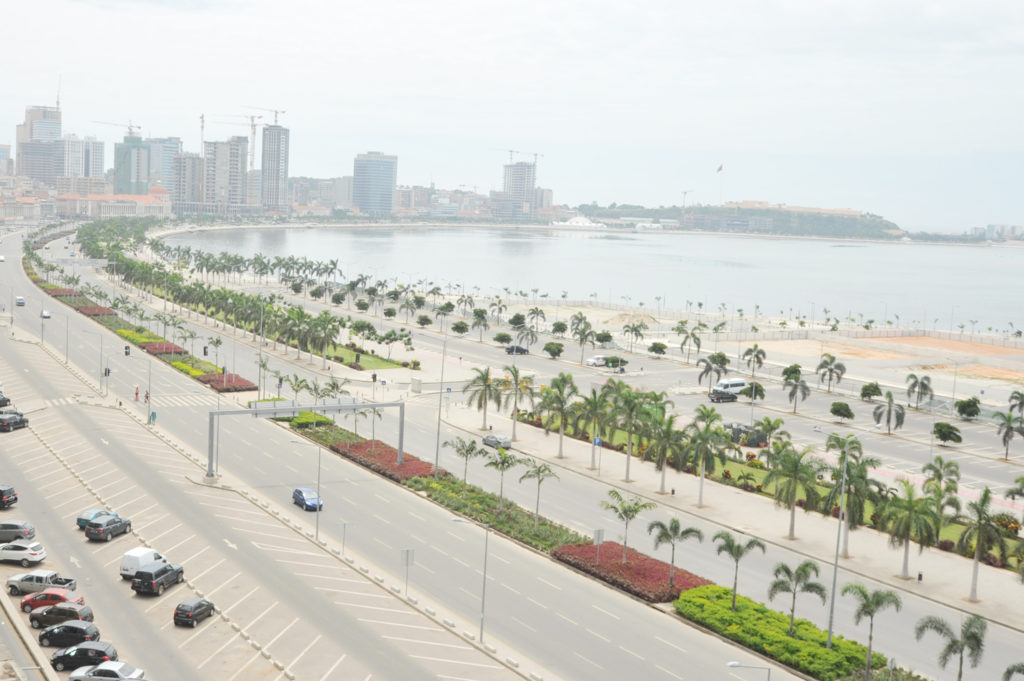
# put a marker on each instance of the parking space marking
(339, 579)
(160, 601)
(462, 662)
(171, 548)
(196, 554)
(222, 585)
(399, 624)
(367, 594)
(304, 651)
(231, 639)
(208, 569)
(154, 520)
(427, 643)
(333, 667)
(166, 532)
(374, 607)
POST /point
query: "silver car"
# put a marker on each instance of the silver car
(492, 440)
(107, 670)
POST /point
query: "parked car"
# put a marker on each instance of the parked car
(83, 654)
(307, 499)
(107, 527)
(38, 580)
(155, 577)
(107, 670)
(69, 633)
(8, 497)
(493, 440)
(191, 610)
(51, 596)
(4, 400)
(12, 421)
(595, 361)
(16, 529)
(91, 514)
(721, 396)
(61, 612)
(22, 551)
(516, 350)
(134, 559)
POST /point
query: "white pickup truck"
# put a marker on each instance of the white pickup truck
(38, 580)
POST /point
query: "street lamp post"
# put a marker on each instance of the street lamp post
(319, 499)
(751, 666)
(839, 534)
(440, 396)
(483, 587)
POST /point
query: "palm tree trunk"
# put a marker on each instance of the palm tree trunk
(593, 453)
(792, 613)
(792, 523)
(663, 467)
(735, 581)
(629, 453)
(515, 413)
(973, 598)
(700, 500)
(871, 636)
(846, 530)
(906, 558)
(485, 413)
(561, 437)
(536, 508)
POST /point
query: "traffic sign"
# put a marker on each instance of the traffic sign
(597, 441)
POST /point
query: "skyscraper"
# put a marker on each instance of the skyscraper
(131, 166)
(186, 188)
(5, 159)
(76, 157)
(374, 180)
(36, 152)
(162, 151)
(520, 185)
(225, 190)
(274, 169)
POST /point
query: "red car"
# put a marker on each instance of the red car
(50, 596)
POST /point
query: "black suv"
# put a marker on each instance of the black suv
(61, 612)
(4, 400)
(107, 527)
(12, 420)
(155, 577)
(69, 633)
(722, 396)
(85, 653)
(191, 610)
(516, 350)
(8, 497)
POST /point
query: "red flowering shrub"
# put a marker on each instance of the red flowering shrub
(355, 365)
(641, 575)
(95, 311)
(383, 459)
(226, 383)
(61, 292)
(162, 348)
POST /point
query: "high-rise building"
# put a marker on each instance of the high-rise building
(162, 151)
(225, 189)
(374, 180)
(131, 166)
(520, 184)
(35, 139)
(5, 160)
(186, 188)
(343, 192)
(74, 157)
(274, 169)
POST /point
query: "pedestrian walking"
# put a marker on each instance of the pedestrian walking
(147, 397)
(136, 393)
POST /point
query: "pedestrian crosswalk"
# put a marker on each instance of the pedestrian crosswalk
(185, 400)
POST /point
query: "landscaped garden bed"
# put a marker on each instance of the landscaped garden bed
(641, 575)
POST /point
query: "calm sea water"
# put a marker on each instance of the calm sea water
(937, 286)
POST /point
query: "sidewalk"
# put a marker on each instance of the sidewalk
(946, 576)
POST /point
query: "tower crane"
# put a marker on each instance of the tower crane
(684, 193)
(260, 108)
(132, 127)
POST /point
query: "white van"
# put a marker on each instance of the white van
(135, 559)
(732, 386)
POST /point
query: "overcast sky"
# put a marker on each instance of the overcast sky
(911, 109)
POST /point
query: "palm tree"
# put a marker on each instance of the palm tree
(520, 388)
(502, 461)
(794, 472)
(754, 390)
(665, 444)
(798, 390)
(540, 472)
(690, 337)
(534, 315)
(831, 369)
(1007, 426)
(971, 641)
(941, 483)
(584, 333)
(480, 322)
(860, 488)
(1017, 402)
(672, 534)
(919, 386)
(628, 406)
(869, 604)
(712, 364)
(465, 450)
(556, 402)
(483, 390)
(981, 530)
(755, 358)
(909, 518)
(771, 427)
(1013, 669)
(707, 442)
(594, 410)
(892, 412)
(790, 581)
(1016, 491)
(735, 550)
(626, 510)
(635, 332)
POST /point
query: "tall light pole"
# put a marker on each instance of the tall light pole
(751, 666)
(483, 587)
(839, 534)
(440, 396)
(319, 499)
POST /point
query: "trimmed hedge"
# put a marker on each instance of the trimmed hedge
(186, 369)
(755, 626)
(307, 419)
(133, 336)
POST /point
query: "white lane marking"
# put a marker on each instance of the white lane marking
(104, 442)
(350, 591)
(570, 621)
(610, 614)
(675, 676)
(468, 664)
(668, 643)
(383, 520)
(553, 586)
(524, 624)
(537, 603)
(373, 607)
(426, 643)
(627, 650)
(398, 624)
(518, 593)
(415, 516)
(594, 633)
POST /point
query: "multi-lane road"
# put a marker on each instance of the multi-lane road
(571, 627)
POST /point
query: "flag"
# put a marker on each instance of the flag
(720, 168)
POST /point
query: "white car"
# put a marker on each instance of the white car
(107, 670)
(45, 314)
(595, 361)
(22, 551)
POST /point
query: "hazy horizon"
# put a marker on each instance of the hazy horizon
(907, 110)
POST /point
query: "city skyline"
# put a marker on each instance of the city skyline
(899, 111)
